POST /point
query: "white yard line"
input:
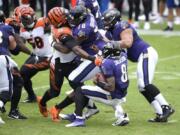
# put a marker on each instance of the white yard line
(131, 67)
(158, 32)
(160, 60)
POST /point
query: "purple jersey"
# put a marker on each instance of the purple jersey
(5, 32)
(117, 68)
(138, 45)
(89, 30)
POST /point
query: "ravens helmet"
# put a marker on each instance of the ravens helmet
(77, 15)
(110, 17)
(2, 16)
(110, 52)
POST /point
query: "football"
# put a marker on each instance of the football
(100, 77)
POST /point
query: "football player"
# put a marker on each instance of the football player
(35, 32)
(10, 81)
(111, 89)
(63, 62)
(122, 35)
(93, 6)
(85, 31)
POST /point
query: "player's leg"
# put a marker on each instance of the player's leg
(147, 8)
(56, 81)
(95, 93)
(17, 89)
(85, 71)
(66, 68)
(14, 85)
(32, 66)
(170, 19)
(131, 8)
(146, 68)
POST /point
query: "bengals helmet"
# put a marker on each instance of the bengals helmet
(27, 17)
(57, 16)
(16, 13)
(25, 1)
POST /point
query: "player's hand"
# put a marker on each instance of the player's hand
(109, 45)
(98, 60)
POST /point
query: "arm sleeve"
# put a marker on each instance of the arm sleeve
(107, 68)
(10, 30)
(68, 41)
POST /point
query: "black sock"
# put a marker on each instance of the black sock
(80, 101)
(29, 89)
(66, 102)
(46, 97)
(17, 88)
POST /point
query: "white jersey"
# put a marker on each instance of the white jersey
(38, 39)
(64, 58)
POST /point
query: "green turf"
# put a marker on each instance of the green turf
(167, 78)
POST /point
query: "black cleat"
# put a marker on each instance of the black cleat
(15, 114)
(158, 118)
(167, 111)
(168, 29)
(30, 100)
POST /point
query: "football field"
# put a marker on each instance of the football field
(167, 78)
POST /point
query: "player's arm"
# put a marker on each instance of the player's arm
(21, 44)
(126, 41)
(14, 49)
(72, 44)
(59, 47)
(107, 84)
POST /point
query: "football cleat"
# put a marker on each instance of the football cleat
(90, 112)
(158, 118)
(168, 28)
(69, 117)
(42, 109)
(15, 114)
(167, 111)
(54, 112)
(78, 122)
(1, 121)
(122, 121)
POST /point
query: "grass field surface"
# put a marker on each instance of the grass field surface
(167, 78)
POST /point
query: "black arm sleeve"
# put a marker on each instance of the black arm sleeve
(68, 41)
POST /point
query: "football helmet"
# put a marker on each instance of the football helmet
(16, 13)
(57, 16)
(110, 18)
(110, 52)
(27, 17)
(2, 16)
(77, 15)
(12, 22)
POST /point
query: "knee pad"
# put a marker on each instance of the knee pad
(150, 92)
(152, 89)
